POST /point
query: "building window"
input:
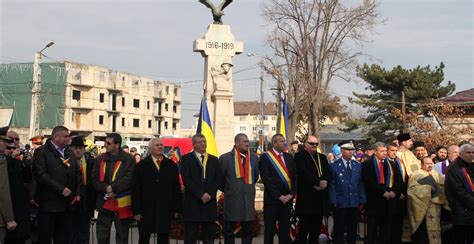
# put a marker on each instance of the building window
(174, 125)
(243, 128)
(72, 116)
(265, 117)
(167, 90)
(242, 118)
(102, 76)
(254, 117)
(136, 123)
(123, 122)
(123, 102)
(136, 103)
(166, 107)
(175, 91)
(123, 78)
(175, 109)
(149, 123)
(274, 128)
(274, 117)
(254, 129)
(101, 119)
(166, 125)
(101, 97)
(76, 95)
(147, 104)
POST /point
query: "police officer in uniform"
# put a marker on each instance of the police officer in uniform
(346, 194)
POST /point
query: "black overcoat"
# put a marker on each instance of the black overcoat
(52, 176)
(274, 187)
(194, 210)
(156, 195)
(377, 205)
(309, 200)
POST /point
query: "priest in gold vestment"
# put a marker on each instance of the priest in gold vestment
(425, 199)
(405, 154)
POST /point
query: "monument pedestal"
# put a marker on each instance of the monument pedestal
(218, 47)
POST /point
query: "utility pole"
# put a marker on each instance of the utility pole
(262, 107)
(36, 94)
(404, 113)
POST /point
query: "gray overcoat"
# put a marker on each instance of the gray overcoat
(239, 198)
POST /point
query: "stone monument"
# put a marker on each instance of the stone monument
(218, 46)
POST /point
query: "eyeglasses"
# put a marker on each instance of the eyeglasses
(314, 144)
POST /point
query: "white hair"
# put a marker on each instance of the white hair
(150, 143)
(465, 147)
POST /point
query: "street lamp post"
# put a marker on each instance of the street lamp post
(36, 93)
(261, 132)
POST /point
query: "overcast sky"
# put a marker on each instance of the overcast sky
(155, 37)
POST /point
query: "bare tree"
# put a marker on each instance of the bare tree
(313, 42)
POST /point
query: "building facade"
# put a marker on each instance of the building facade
(95, 100)
(247, 119)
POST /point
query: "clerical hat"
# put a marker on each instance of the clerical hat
(403, 137)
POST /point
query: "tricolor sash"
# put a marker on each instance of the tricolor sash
(280, 168)
(467, 180)
(401, 166)
(84, 170)
(103, 165)
(202, 164)
(157, 163)
(241, 171)
(379, 171)
(66, 162)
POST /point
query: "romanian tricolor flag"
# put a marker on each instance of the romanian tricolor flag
(176, 157)
(124, 205)
(205, 127)
(283, 129)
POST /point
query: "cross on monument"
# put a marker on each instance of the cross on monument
(218, 46)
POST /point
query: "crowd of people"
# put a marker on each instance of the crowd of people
(402, 192)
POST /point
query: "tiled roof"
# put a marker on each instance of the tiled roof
(466, 96)
(253, 108)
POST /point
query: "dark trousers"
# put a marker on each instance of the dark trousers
(345, 219)
(271, 215)
(421, 235)
(464, 234)
(104, 223)
(191, 232)
(246, 231)
(309, 228)
(378, 229)
(160, 238)
(54, 226)
(397, 229)
(81, 231)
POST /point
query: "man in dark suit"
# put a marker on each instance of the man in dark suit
(278, 173)
(57, 187)
(156, 194)
(401, 209)
(382, 184)
(346, 193)
(84, 212)
(201, 178)
(111, 178)
(312, 203)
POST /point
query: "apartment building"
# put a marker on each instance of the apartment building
(94, 100)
